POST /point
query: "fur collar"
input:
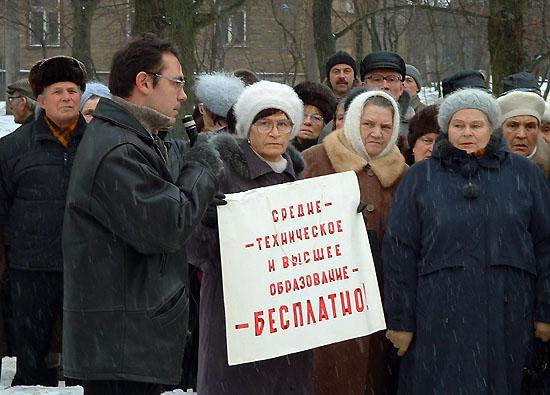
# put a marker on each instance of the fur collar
(231, 151)
(150, 119)
(459, 161)
(343, 158)
(542, 157)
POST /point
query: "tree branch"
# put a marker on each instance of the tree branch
(454, 11)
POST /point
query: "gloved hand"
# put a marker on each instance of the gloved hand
(400, 340)
(210, 217)
(542, 330)
(361, 206)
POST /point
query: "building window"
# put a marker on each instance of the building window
(44, 23)
(233, 29)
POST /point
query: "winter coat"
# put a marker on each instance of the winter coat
(416, 104)
(362, 362)
(126, 223)
(542, 156)
(467, 269)
(34, 175)
(289, 374)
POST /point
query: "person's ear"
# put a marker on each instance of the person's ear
(143, 83)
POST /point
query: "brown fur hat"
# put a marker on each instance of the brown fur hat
(318, 95)
(48, 71)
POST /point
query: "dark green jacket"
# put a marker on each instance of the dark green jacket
(126, 223)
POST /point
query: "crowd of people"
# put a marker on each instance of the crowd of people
(109, 244)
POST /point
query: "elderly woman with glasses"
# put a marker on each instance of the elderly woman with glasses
(319, 107)
(268, 115)
(467, 258)
(367, 146)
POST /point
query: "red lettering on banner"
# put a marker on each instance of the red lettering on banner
(344, 303)
(258, 323)
(271, 265)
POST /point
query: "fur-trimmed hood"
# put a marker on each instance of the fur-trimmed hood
(343, 157)
(232, 152)
(542, 156)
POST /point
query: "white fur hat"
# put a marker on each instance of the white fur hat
(263, 95)
(218, 91)
(546, 116)
(517, 103)
(352, 123)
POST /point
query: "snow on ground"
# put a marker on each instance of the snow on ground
(7, 124)
(8, 371)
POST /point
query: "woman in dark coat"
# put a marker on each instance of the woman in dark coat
(268, 116)
(467, 259)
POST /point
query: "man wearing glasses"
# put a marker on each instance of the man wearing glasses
(126, 224)
(386, 70)
(21, 101)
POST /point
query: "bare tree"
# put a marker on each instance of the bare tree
(83, 12)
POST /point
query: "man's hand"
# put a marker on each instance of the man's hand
(542, 331)
(400, 340)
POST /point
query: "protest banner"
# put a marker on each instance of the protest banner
(298, 273)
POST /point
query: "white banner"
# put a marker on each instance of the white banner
(297, 268)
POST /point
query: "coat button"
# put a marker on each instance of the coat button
(370, 172)
(370, 208)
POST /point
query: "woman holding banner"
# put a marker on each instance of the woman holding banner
(367, 146)
(467, 258)
(268, 115)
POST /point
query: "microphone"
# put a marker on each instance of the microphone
(190, 128)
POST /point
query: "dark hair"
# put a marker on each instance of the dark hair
(231, 121)
(352, 95)
(422, 123)
(246, 76)
(268, 112)
(141, 54)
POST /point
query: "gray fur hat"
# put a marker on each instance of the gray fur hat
(218, 92)
(469, 98)
(263, 95)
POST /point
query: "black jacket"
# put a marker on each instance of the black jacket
(126, 223)
(34, 175)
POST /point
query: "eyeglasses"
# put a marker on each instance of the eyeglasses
(378, 78)
(314, 118)
(284, 126)
(180, 83)
(12, 98)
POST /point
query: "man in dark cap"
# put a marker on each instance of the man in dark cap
(35, 165)
(386, 70)
(21, 101)
(463, 79)
(341, 73)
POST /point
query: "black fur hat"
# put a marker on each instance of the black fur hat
(318, 95)
(57, 69)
